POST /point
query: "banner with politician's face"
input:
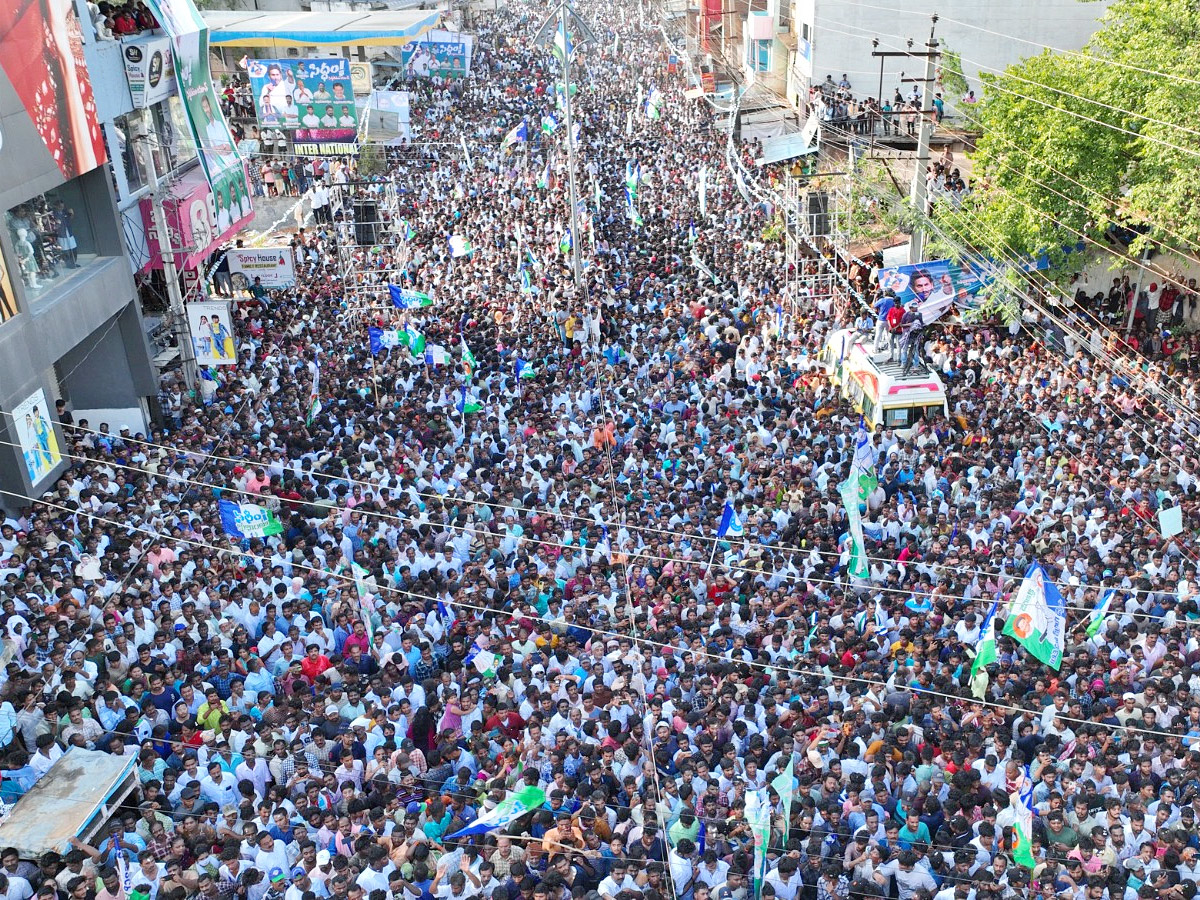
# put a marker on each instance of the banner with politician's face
(313, 99)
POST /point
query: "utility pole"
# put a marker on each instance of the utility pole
(175, 311)
(916, 246)
(576, 266)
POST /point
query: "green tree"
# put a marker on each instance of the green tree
(1073, 142)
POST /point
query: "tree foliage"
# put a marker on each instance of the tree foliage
(1072, 143)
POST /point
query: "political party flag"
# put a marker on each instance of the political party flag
(518, 135)
(407, 298)
(857, 566)
(561, 47)
(314, 400)
(549, 126)
(460, 246)
(406, 230)
(436, 355)
(862, 468)
(531, 259)
(1023, 829)
(576, 133)
(985, 654)
(248, 520)
(564, 243)
(730, 524)
(860, 621)
(506, 812)
(1100, 613)
(467, 405)
(484, 661)
(543, 179)
(784, 785)
(445, 612)
(468, 358)
(381, 339)
(758, 816)
(526, 282)
(414, 340)
(1037, 619)
(633, 175)
(692, 235)
(524, 369)
(654, 105)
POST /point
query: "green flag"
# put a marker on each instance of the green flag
(1037, 619)
(1100, 613)
(784, 785)
(985, 654)
(506, 812)
(1023, 832)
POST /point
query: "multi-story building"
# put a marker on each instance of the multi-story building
(70, 324)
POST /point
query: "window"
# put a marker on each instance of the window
(758, 56)
(51, 236)
(897, 417)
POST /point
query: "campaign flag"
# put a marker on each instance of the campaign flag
(381, 339)
(467, 405)
(484, 661)
(524, 369)
(414, 340)
(1037, 619)
(633, 175)
(730, 524)
(858, 557)
(407, 298)
(445, 612)
(1023, 829)
(985, 654)
(436, 355)
(692, 235)
(468, 358)
(406, 229)
(758, 817)
(654, 105)
(518, 135)
(526, 282)
(506, 812)
(543, 179)
(564, 243)
(460, 246)
(314, 400)
(1100, 613)
(561, 47)
(784, 784)
(248, 520)
(549, 126)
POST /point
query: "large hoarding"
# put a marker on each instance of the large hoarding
(445, 54)
(312, 99)
(218, 154)
(41, 51)
(274, 266)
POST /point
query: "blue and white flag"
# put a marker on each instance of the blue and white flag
(518, 135)
(506, 812)
(407, 298)
(730, 525)
(248, 520)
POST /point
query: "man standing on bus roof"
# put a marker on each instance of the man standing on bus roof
(882, 307)
(912, 333)
(895, 317)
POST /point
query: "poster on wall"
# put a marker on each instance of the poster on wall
(275, 266)
(218, 154)
(35, 434)
(149, 69)
(313, 99)
(41, 51)
(444, 54)
(212, 334)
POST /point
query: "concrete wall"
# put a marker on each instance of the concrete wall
(843, 30)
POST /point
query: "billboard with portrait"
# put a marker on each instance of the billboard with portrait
(936, 285)
(444, 54)
(41, 51)
(212, 334)
(312, 99)
(218, 153)
(36, 435)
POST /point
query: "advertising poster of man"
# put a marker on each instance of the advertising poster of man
(936, 285)
(189, 40)
(41, 50)
(312, 99)
(35, 434)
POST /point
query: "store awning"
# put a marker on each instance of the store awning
(384, 28)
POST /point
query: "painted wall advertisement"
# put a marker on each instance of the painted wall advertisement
(41, 51)
(218, 154)
(212, 334)
(313, 99)
(149, 69)
(36, 435)
(275, 266)
(445, 54)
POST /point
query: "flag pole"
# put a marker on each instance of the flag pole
(566, 77)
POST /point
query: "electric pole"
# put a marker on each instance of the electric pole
(916, 246)
(576, 266)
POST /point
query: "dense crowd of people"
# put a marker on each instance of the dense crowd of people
(487, 581)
